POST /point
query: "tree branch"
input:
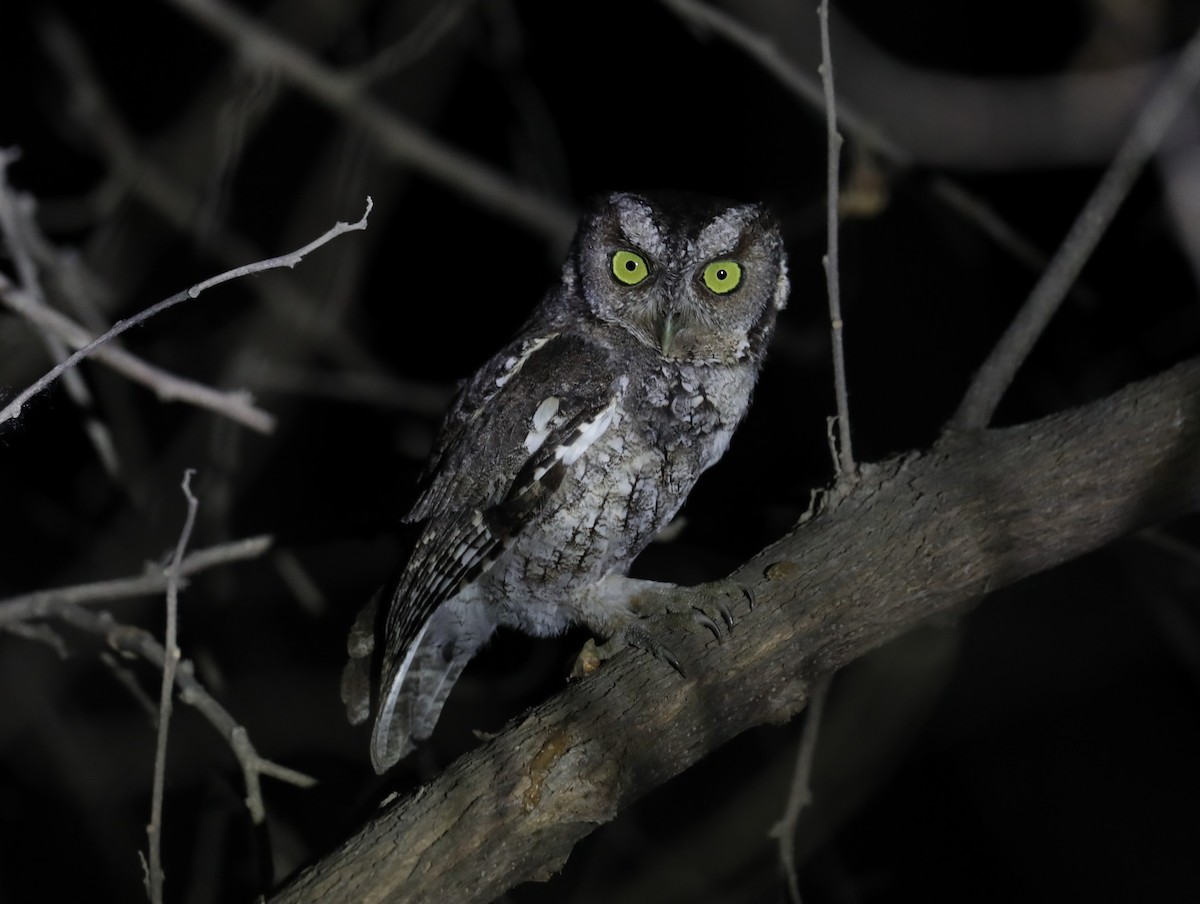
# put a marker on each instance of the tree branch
(919, 535)
(45, 603)
(844, 459)
(998, 371)
(13, 409)
(166, 697)
(236, 405)
(395, 136)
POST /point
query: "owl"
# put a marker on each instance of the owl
(577, 442)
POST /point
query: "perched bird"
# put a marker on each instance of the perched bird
(564, 455)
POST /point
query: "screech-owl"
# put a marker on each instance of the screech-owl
(564, 455)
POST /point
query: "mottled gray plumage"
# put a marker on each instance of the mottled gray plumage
(567, 452)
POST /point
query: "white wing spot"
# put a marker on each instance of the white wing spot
(569, 453)
(513, 365)
(541, 424)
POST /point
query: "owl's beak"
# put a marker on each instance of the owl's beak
(667, 330)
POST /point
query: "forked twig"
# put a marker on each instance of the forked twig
(45, 603)
(13, 409)
(171, 655)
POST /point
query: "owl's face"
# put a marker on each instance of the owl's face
(691, 278)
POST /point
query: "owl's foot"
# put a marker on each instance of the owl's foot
(709, 606)
(656, 605)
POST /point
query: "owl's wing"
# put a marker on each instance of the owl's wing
(501, 457)
(483, 407)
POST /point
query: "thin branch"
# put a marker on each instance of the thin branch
(763, 50)
(800, 795)
(19, 232)
(998, 371)
(43, 603)
(237, 405)
(13, 409)
(125, 677)
(63, 604)
(40, 633)
(137, 642)
(143, 177)
(845, 460)
(395, 136)
(154, 882)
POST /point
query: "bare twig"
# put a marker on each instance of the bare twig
(63, 603)
(763, 51)
(144, 177)
(236, 405)
(154, 881)
(845, 458)
(125, 677)
(40, 633)
(800, 795)
(129, 639)
(997, 372)
(394, 135)
(17, 228)
(13, 409)
(45, 603)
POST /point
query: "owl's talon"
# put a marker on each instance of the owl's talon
(702, 619)
(717, 602)
(729, 592)
(669, 658)
(636, 636)
(726, 613)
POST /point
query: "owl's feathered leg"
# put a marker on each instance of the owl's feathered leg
(412, 701)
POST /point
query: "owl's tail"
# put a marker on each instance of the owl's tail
(413, 692)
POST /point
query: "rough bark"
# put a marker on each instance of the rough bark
(916, 536)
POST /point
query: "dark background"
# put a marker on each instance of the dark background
(1041, 747)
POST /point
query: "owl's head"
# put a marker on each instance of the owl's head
(694, 278)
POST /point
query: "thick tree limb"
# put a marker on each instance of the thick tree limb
(919, 535)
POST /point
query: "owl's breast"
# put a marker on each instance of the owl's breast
(691, 411)
(666, 429)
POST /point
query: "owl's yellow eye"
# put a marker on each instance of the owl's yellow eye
(723, 276)
(629, 267)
